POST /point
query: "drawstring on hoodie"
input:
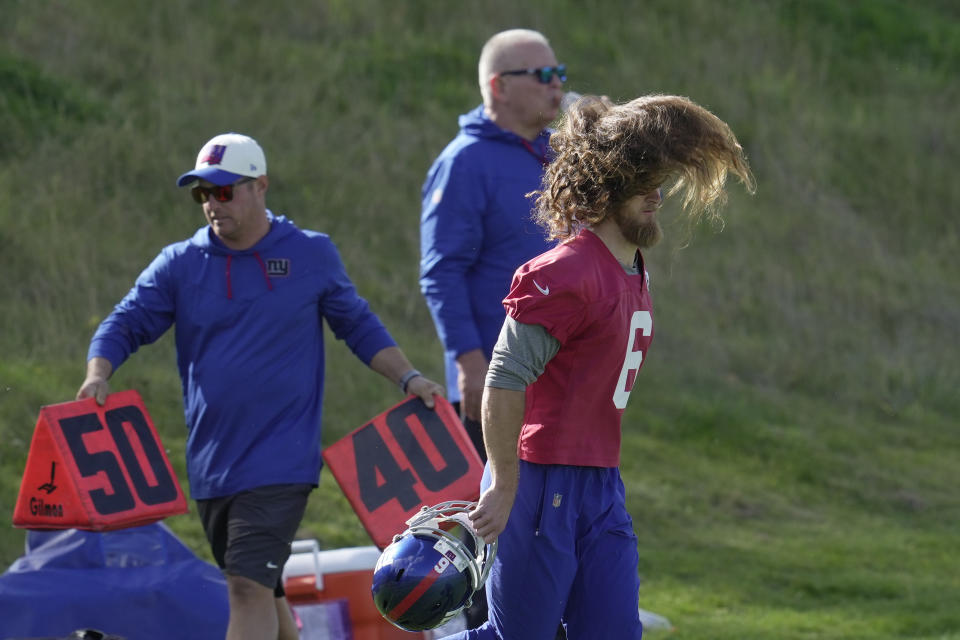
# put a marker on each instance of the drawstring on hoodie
(263, 268)
(539, 156)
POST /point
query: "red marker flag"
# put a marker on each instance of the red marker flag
(97, 468)
(406, 457)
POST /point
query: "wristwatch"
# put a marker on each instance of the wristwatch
(406, 378)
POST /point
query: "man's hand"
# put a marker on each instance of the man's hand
(392, 364)
(95, 385)
(502, 422)
(471, 375)
(490, 516)
(425, 389)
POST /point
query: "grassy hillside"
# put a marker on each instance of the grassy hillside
(791, 447)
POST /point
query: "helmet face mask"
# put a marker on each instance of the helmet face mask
(429, 573)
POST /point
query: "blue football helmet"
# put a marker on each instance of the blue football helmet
(429, 573)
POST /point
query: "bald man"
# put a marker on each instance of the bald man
(475, 226)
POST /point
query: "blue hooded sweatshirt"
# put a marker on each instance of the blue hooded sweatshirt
(249, 339)
(475, 230)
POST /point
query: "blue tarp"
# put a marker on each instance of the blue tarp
(140, 583)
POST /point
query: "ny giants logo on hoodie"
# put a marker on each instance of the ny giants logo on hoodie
(215, 155)
(278, 267)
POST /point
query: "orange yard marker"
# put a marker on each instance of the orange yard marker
(97, 468)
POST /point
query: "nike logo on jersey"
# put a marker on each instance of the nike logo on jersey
(272, 565)
(544, 290)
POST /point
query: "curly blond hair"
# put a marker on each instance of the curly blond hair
(608, 153)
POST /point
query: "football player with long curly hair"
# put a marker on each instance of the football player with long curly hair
(579, 324)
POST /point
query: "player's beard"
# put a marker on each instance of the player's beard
(641, 230)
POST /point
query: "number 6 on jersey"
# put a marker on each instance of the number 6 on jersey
(641, 321)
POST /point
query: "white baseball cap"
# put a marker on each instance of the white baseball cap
(226, 158)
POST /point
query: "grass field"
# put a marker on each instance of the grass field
(791, 447)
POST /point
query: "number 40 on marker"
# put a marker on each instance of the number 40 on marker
(401, 460)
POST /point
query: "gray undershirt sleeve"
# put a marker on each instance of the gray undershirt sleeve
(520, 355)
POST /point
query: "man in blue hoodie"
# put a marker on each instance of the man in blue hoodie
(475, 226)
(248, 294)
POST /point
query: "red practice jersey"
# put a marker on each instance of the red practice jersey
(602, 317)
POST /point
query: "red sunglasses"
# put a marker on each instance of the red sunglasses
(218, 193)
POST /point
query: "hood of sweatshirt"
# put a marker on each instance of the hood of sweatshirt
(477, 123)
(207, 241)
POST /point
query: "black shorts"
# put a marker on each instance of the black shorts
(250, 532)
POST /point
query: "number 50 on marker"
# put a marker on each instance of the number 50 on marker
(96, 468)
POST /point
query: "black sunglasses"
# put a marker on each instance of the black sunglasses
(219, 193)
(543, 74)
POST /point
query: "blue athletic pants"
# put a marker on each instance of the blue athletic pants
(568, 553)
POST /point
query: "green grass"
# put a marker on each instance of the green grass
(790, 449)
